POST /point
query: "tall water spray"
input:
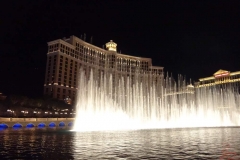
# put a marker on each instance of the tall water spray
(111, 101)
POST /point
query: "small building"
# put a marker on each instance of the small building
(219, 77)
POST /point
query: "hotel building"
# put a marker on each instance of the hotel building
(65, 57)
(220, 77)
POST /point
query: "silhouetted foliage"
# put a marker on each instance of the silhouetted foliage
(22, 103)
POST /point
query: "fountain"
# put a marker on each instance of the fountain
(144, 101)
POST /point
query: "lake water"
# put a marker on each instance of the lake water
(61, 143)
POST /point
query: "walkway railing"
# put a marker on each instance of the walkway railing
(3, 119)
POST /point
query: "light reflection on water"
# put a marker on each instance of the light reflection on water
(60, 143)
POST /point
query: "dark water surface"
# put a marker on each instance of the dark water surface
(60, 143)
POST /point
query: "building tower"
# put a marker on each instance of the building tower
(111, 46)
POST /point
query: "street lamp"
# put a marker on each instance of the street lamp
(11, 112)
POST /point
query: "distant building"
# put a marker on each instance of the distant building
(66, 56)
(220, 77)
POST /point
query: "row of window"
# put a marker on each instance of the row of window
(67, 73)
(51, 65)
(98, 58)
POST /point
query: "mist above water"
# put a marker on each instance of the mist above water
(111, 101)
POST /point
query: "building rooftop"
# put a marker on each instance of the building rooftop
(220, 73)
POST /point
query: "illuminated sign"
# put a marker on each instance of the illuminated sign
(221, 74)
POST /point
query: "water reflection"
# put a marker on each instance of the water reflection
(37, 143)
(60, 143)
(198, 143)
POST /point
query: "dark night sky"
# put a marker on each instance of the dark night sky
(185, 37)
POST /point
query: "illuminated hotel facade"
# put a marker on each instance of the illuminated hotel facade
(65, 57)
(219, 78)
